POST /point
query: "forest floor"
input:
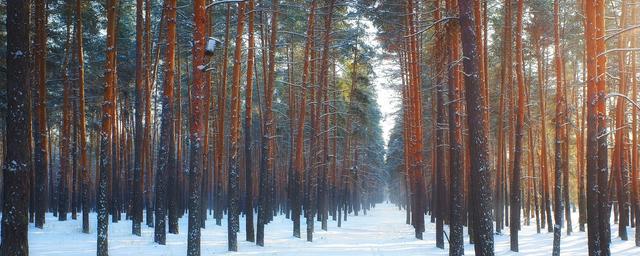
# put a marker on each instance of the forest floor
(381, 232)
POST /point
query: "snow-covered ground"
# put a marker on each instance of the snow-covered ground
(381, 232)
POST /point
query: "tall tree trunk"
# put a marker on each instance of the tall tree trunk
(622, 167)
(138, 168)
(269, 132)
(634, 131)
(248, 140)
(560, 132)
(506, 77)
(65, 133)
(324, 83)
(41, 137)
(456, 153)
(220, 145)
(175, 184)
(480, 163)
(82, 129)
(233, 226)
(17, 160)
(603, 166)
(196, 122)
(415, 110)
(108, 113)
(514, 224)
(597, 171)
(149, 80)
(299, 146)
(440, 126)
(164, 155)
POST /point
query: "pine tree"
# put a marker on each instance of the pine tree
(480, 164)
(164, 154)
(268, 143)
(108, 113)
(41, 138)
(248, 142)
(17, 159)
(515, 203)
(233, 226)
(456, 155)
(560, 138)
(82, 127)
(138, 179)
(299, 168)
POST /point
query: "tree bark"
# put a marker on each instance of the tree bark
(233, 225)
(269, 132)
(138, 168)
(17, 162)
(479, 149)
(108, 113)
(515, 204)
(41, 137)
(560, 132)
(248, 142)
(196, 126)
(164, 154)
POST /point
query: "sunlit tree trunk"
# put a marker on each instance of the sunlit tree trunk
(634, 127)
(149, 78)
(108, 113)
(299, 146)
(560, 131)
(196, 131)
(415, 110)
(233, 225)
(248, 140)
(621, 166)
(506, 77)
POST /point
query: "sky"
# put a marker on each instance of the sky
(384, 81)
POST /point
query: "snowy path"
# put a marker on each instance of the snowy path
(381, 232)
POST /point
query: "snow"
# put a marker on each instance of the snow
(382, 232)
(17, 54)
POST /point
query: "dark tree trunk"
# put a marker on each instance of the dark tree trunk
(268, 142)
(17, 164)
(479, 149)
(515, 203)
(165, 155)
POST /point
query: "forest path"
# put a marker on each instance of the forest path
(381, 232)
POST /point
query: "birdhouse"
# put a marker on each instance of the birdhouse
(212, 43)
